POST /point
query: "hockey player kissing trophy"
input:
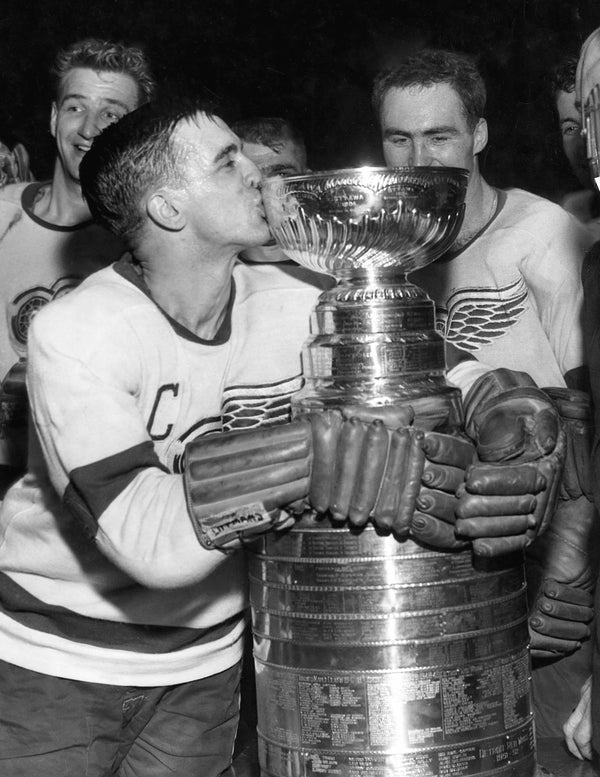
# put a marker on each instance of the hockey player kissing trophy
(390, 624)
(389, 611)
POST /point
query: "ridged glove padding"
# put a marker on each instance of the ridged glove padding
(562, 563)
(401, 479)
(510, 494)
(239, 484)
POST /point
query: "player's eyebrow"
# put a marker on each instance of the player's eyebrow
(442, 130)
(106, 100)
(232, 148)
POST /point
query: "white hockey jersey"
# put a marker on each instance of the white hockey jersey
(513, 296)
(101, 575)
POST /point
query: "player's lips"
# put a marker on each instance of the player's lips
(261, 208)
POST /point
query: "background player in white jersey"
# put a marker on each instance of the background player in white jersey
(508, 292)
(122, 608)
(48, 242)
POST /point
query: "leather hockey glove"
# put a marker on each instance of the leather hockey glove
(380, 468)
(237, 483)
(561, 564)
(510, 494)
(241, 484)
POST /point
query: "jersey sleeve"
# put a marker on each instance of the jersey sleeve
(553, 275)
(101, 459)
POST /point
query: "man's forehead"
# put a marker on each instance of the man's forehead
(441, 97)
(276, 152)
(423, 109)
(99, 84)
(204, 132)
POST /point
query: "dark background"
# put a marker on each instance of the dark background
(313, 62)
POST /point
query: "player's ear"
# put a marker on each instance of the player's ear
(480, 136)
(53, 118)
(162, 209)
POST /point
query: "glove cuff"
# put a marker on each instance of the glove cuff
(491, 385)
(510, 418)
(235, 483)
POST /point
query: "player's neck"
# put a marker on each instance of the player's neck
(62, 202)
(480, 208)
(194, 293)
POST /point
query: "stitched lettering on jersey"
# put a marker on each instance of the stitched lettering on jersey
(242, 407)
(475, 317)
(247, 407)
(24, 307)
(160, 429)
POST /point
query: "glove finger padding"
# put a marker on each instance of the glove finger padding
(575, 411)
(446, 459)
(402, 482)
(236, 482)
(561, 576)
(371, 468)
(435, 532)
(399, 482)
(502, 507)
(521, 444)
(543, 646)
(570, 619)
(364, 471)
(559, 618)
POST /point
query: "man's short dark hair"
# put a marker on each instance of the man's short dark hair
(436, 66)
(563, 76)
(132, 156)
(107, 56)
(268, 131)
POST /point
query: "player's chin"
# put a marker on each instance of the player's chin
(263, 235)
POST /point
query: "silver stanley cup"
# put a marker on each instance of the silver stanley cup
(373, 340)
(378, 656)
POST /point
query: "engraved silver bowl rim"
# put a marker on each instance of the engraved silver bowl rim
(360, 244)
(347, 171)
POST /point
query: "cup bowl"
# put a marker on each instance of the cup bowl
(366, 219)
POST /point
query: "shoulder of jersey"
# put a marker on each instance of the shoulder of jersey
(539, 214)
(283, 276)
(104, 295)
(10, 196)
(12, 191)
(527, 203)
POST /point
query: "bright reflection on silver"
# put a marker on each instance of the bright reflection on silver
(366, 218)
